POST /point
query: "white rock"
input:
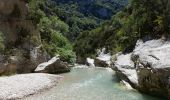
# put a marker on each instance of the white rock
(45, 64)
(125, 65)
(106, 57)
(150, 65)
(90, 62)
(154, 52)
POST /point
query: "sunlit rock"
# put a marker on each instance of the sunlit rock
(103, 59)
(147, 68)
(19, 86)
(90, 62)
(53, 66)
(22, 42)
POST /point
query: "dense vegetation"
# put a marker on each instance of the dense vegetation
(83, 15)
(140, 19)
(60, 21)
(51, 29)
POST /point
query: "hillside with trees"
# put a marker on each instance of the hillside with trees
(83, 15)
(60, 22)
(140, 19)
(51, 29)
(107, 49)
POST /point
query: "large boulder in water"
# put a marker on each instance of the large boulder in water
(103, 59)
(147, 68)
(53, 66)
(90, 62)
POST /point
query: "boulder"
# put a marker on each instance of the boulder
(147, 68)
(53, 66)
(100, 63)
(90, 62)
(103, 59)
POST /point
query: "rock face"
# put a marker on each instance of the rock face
(21, 49)
(147, 68)
(100, 63)
(53, 66)
(125, 69)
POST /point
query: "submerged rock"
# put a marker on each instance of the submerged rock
(147, 68)
(53, 66)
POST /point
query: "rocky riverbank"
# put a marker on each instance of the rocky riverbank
(147, 68)
(19, 86)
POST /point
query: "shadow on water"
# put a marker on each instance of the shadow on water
(115, 78)
(143, 96)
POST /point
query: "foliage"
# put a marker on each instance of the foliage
(60, 45)
(82, 15)
(51, 29)
(140, 19)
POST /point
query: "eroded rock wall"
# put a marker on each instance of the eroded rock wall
(22, 43)
(147, 68)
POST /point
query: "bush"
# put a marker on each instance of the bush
(141, 18)
(51, 29)
(60, 45)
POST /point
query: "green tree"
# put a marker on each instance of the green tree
(51, 29)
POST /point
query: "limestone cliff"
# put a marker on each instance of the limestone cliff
(147, 68)
(21, 51)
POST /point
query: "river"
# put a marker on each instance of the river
(90, 84)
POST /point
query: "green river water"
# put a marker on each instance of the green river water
(90, 84)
